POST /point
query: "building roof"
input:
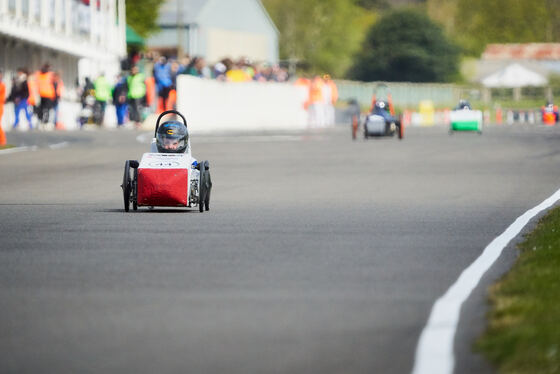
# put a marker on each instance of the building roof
(528, 51)
(515, 75)
(190, 8)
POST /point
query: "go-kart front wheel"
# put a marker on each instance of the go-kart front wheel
(135, 189)
(126, 186)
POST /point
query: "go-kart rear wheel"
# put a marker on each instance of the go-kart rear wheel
(135, 189)
(201, 188)
(126, 186)
(401, 130)
(208, 184)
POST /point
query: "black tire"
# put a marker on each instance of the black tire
(126, 186)
(201, 188)
(135, 189)
(401, 130)
(208, 185)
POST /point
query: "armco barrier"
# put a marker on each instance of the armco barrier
(212, 105)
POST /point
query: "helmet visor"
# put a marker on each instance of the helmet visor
(172, 137)
(172, 143)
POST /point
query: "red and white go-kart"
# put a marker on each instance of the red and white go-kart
(167, 179)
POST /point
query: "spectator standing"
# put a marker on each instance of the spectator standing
(172, 100)
(120, 94)
(47, 92)
(198, 68)
(19, 96)
(220, 71)
(2, 99)
(316, 110)
(102, 96)
(237, 74)
(162, 76)
(136, 92)
(87, 90)
(59, 91)
(330, 97)
(33, 99)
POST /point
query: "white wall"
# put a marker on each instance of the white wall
(210, 105)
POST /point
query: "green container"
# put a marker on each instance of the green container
(465, 126)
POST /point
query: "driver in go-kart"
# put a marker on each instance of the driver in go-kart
(172, 137)
(463, 105)
(381, 108)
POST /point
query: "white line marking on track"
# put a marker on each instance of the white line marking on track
(434, 353)
(58, 145)
(18, 149)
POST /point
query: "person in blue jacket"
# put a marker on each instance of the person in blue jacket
(163, 80)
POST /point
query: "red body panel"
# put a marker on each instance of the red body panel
(163, 187)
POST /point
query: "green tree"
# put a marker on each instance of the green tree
(322, 35)
(142, 15)
(405, 45)
(479, 22)
(443, 12)
(374, 4)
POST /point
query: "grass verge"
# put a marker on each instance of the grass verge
(523, 335)
(6, 146)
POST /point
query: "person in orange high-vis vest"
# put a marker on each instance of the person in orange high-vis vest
(59, 91)
(47, 92)
(2, 99)
(304, 83)
(33, 91)
(150, 90)
(316, 105)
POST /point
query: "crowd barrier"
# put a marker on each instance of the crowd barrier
(498, 117)
(211, 105)
(214, 106)
(68, 116)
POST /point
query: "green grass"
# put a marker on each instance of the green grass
(6, 146)
(523, 335)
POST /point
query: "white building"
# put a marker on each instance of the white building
(215, 29)
(75, 38)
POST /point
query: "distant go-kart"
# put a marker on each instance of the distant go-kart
(382, 121)
(464, 118)
(167, 176)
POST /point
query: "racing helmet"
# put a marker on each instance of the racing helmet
(172, 137)
(381, 104)
(464, 104)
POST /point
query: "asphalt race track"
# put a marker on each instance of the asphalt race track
(319, 254)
